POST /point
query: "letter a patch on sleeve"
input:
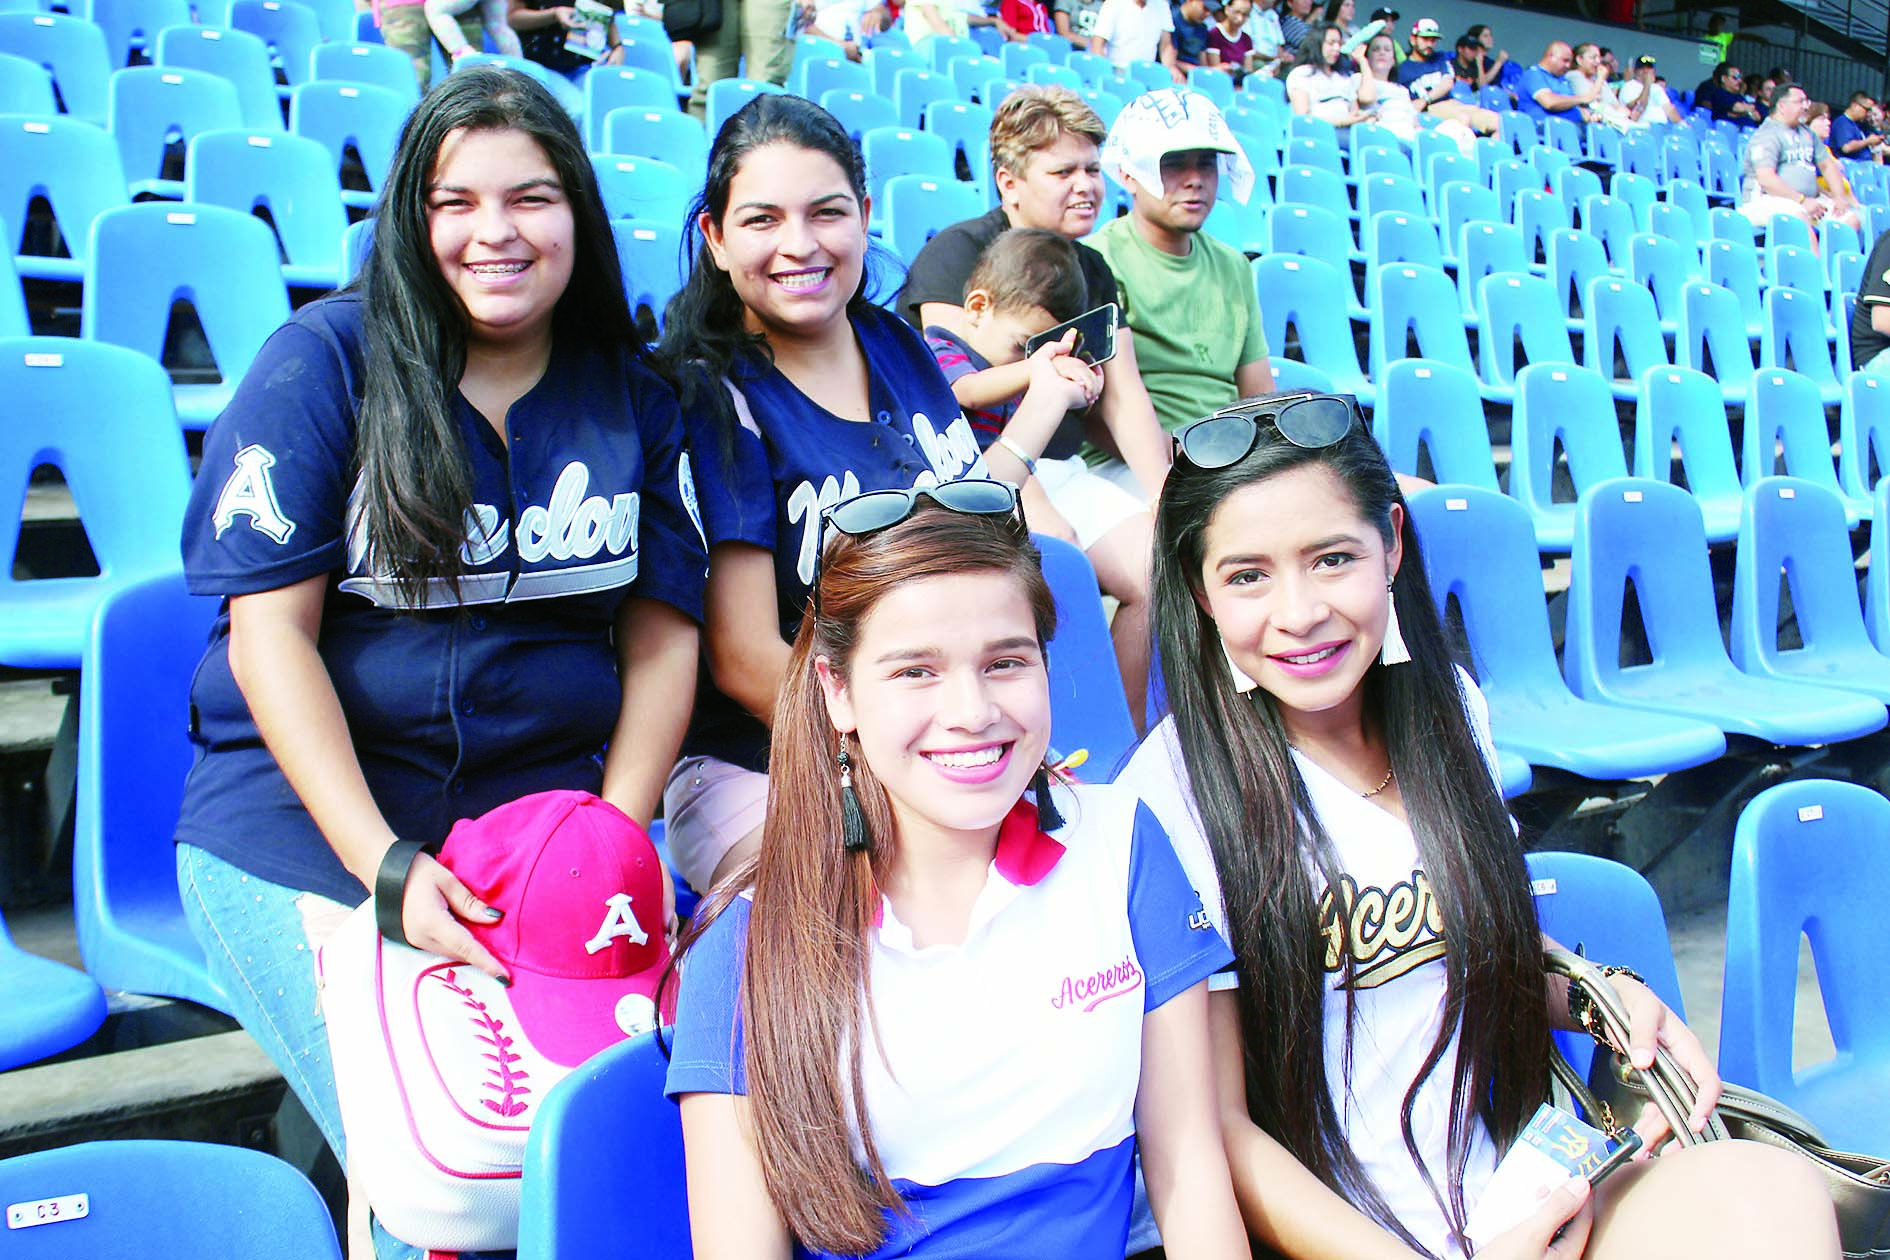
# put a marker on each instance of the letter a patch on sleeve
(250, 492)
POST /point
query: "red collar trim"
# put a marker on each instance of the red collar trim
(1024, 853)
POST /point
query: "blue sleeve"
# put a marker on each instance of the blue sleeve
(1175, 943)
(269, 506)
(675, 552)
(706, 1055)
(1533, 80)
(734, 484)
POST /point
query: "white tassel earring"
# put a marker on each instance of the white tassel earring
(1242, 683)
(1394, 652)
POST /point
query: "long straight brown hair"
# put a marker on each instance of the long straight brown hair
(806, 988)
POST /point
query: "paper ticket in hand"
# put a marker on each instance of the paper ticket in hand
(1552, 1148)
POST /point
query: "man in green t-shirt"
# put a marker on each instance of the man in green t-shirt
(1188, 298)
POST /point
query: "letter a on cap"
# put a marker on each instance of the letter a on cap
(619, 921)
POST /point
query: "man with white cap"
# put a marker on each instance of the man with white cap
(1188, 298)
(1424, 59)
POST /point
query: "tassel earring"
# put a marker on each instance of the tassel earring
(1242, 682)
(1394, 652)
(1049, 818)
(854, 837)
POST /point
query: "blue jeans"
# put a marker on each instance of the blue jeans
(257, 950)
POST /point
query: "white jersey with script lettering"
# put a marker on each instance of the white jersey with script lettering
(1004, 1109)
(1398, 979)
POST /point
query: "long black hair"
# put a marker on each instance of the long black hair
(704, 328)
(1266, 837)
(416, 483)
(1312, 47)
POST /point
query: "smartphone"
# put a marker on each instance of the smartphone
(1095, 335)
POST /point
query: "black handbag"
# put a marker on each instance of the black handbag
(1859, 1184)
(693, 20)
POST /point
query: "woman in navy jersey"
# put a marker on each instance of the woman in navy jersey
(1328, 778)
(943, 1008)
(805, 393)
(449, 513)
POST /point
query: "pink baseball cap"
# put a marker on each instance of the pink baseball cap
(583, 936)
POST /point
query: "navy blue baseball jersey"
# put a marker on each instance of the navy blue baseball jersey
(789, 459)
(462, 704)
(1002, 1083)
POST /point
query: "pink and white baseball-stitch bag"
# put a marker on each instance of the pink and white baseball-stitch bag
(439, 1068)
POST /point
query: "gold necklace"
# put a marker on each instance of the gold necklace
(1382, 785)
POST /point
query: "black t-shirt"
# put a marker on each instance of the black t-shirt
(939, 273)
(546, 44)
(1866, 341)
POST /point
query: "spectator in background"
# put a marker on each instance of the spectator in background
(1192, 20)
(543, 28)
(1545, 92)
(847, 23)
(404, 25)
(1720, 96)
(1717, 34)
(1188, 297)
(1849, 139)
(1497, 66)
(442, 15)
(1128, 31)
(1075, 19)
(1783, 164)
(1319, 88)
(1390, 19)
(1294, 23)
(1230, 42)
(1590, 75)
(1870, 319)
(1451, 95)
(1344, 15)
(752, 38)
(1645, 98)
(1426, 57)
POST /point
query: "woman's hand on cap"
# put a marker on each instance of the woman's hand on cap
(435, 910)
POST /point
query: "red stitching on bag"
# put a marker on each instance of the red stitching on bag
(507, 1081)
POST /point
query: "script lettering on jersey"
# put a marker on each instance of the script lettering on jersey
(619, 921)
(251, 492)
(951, 455)
(1389, 931)
(573, 526)
(1090, 991)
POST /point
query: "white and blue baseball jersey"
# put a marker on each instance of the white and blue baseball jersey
(789, 459)
(463, 704)
(1004, 1109)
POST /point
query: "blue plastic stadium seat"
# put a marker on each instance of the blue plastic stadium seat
(358, 116)
(1297, 292)
(1480, 549)
(651, 256)
(290, 29)
(664, 135)
(1788, 229)
(1679, 407)
(103, 417)
(1649, 534)
(239, 58)
(884, 64)
(918, 207)
(891, 151)
(1420, 302)
(1619, 317)
(1017, 58)
(1785, 425)
(860, 112)
(145, 257)
(1661, 266)
(616, 87)
(134, 752)
(1612, 915)
(1677, 224)
(1317, 234)
(1864, 435)
(1712, 331)
(45, 1008)
(1433, 408)
(1560, 405)
(728, 95)
(1795, 267)
(1087, 706)
(967, 129)
(646, 47)
(75, 168)
(1537, 214)
(1485, 249)
(1382, 191)
(148, 103)
(1376, 159)
(1461, 203)
(1399, 236)
(575, 1198)
(1877, 580)
(134, 24)
(642, 188)
(26, 87)
(1809, 864)
(1734, 265)
(1613, 222)
(1797, 529)
(375, 65)
(355, 244)
(1575, 260)
(1300, 184)
(291, 177)
(1519, 309)
(813, 76)
(913, 90)
(1794, 337)
(242, 1202)
(1638, 191)
(72, 49)
(970, 74)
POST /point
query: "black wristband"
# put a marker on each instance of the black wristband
(390, 887)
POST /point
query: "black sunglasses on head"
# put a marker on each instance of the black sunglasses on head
(1310, 421)
(882, 509)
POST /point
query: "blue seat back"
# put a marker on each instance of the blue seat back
(891, 151)
(619, 87)
(651, 256)
(1877, 578)
(1794, 267)
(966, 127)
(1561, 405)
(1377, 160)
(913, 90)
(1486, 248)
(1017, 58)
(1399, 236)
(642, 188)
(1510, 177)
(1788, 229)
(663, 134)
(1313, 186)
(1087, 705)
(1575, 185)
(26, 87)
(1661, 266)
(1836, 236)
(1808, 863)
(376, 65)
(1448, 168)
(1675, 223)
(860, 112)
(1638, 191)
(1564, 136)
(134, 752)
(1785, 420)
(73, 165)
(1296, 292)
(1734, 265)
(1518, 307)
(918, 207)
(1434, 406)
(1310, 230)
(1797, 528)
(291, 177)
(358, 116)
(728, 95)
(944, 50)
(1710, 325)
(1613, 222)
(1575, 259)
(130, 24)
(1416, 301)
(245, 1202)
(1382, 192)
(1679, 406)
(970, 74)
(1864, 435)
(148, 103)
(289, 28)
(147, 256)
(814, 77)
(1538, 214)
(884, 64)
(1465, 203)
(1619, 318)
(72, 50)
(238, 57)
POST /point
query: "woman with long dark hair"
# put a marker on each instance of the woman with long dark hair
(1327, 774)
(449, 513)
(809, 393)
(1327, 84)
(937, 1015)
